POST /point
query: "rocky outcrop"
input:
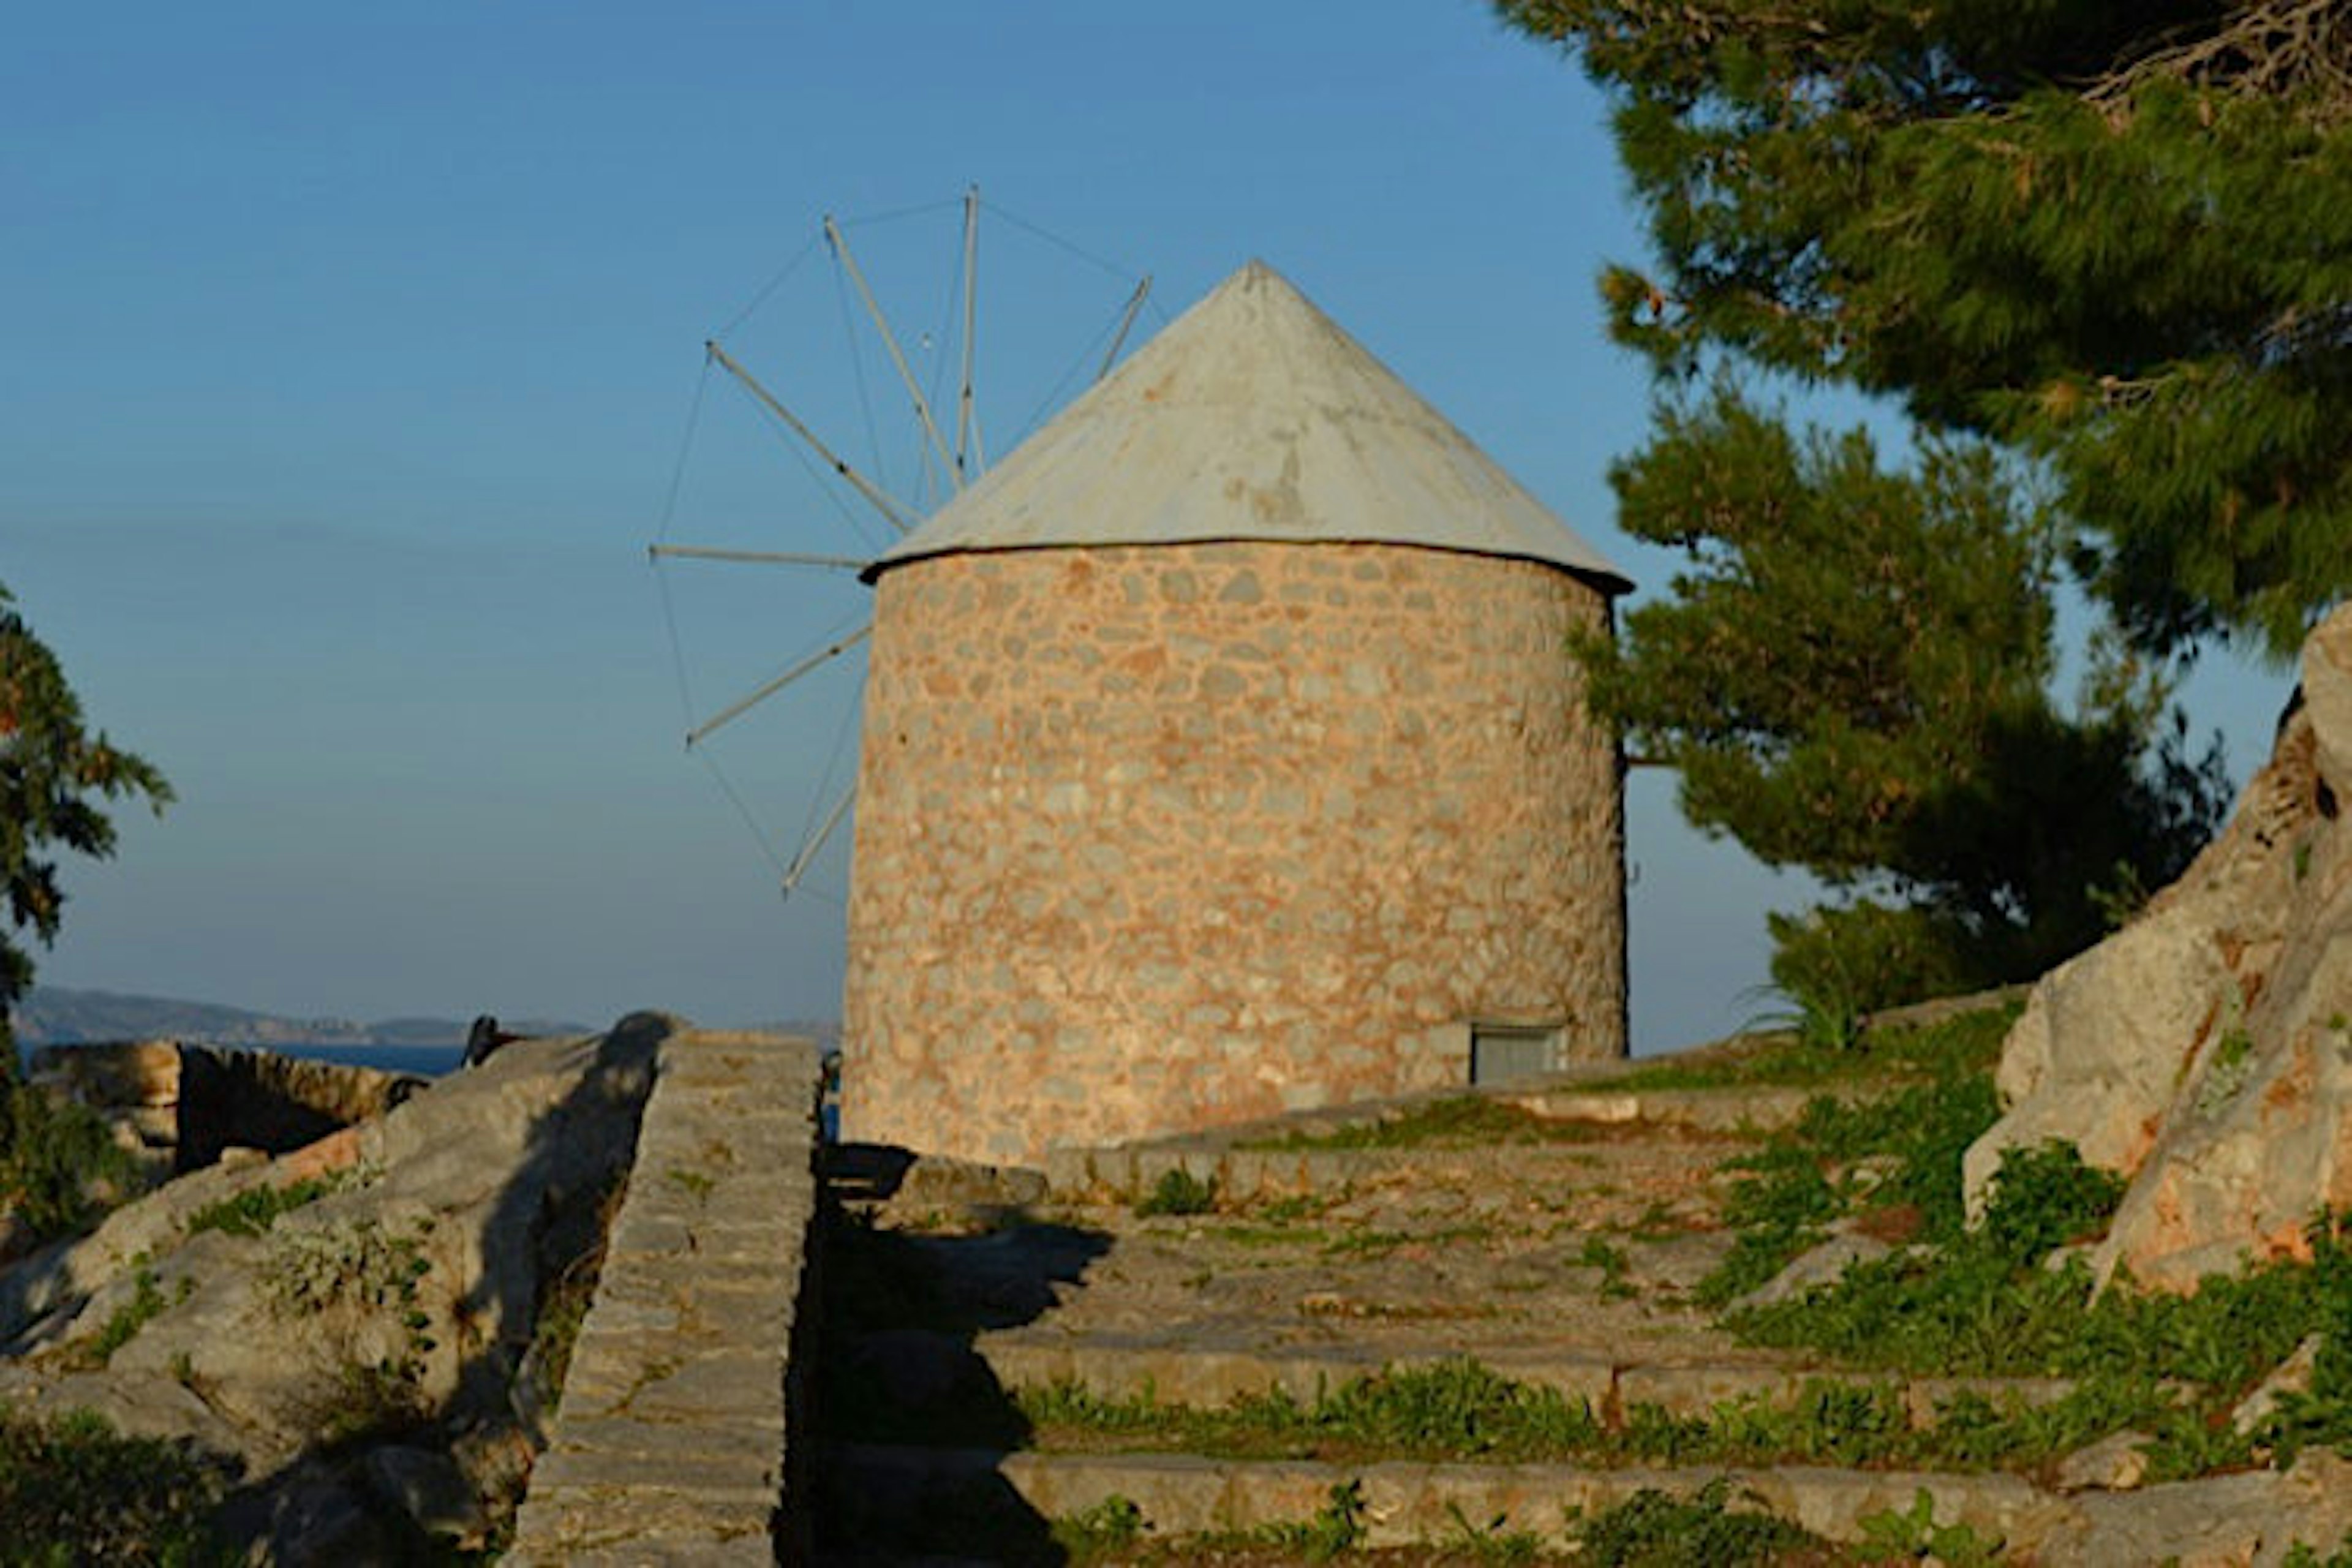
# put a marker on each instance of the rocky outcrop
(349, 1326)
(176, 1107)
(2205, 1051)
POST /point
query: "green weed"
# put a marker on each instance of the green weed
(123, 1325)
(1611, 1261)
(1338, 1526)
(1811, 1175)
(1111, 1525)
(1654, 1529)
(255, 1209)
(1179, 1191)
(1912, 1535)
(1494, 1542)
(2304, 1555)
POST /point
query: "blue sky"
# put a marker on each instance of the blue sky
(345, 361)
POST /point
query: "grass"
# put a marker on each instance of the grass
(1968, 1043)
(1461, 1410)
(1657, 1529)
(254, 1210)
(1897, 1155)
(1985, 1301)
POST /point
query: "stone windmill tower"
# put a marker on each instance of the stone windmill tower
(1222, 755)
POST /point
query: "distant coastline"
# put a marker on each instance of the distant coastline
(63, 1015)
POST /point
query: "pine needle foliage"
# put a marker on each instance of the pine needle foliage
(1853, 675)
(2113, 236)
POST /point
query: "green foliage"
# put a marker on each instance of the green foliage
(122, 1325)
(1494, 1542)
(1785, 1196)
(52, 773)
(1968, 1043)
(60, 1167)
(343, 1273)
(2044, 1197)
(1453, 1409)
(1612, 1263)
(1851, 677)
(1840, 961)
(2115, 236)
(73, 1491)
(1464, 1410)
(56, 1164)
(1111, 1525)
(2304, 1555)
(1986, 1303)
(256, 1208)
(1913, 1535)
(1654, 1529)
(1179, 1191)
(1336, 1528)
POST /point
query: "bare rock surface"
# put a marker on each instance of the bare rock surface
(2205, 1051)
(386, 1308)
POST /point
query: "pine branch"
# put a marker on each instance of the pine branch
(2275, 49)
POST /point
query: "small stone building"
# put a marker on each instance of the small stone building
(1224, 756)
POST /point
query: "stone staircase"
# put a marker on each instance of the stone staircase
(1556, 1241)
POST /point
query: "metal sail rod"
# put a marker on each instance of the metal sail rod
(970, 284)
(742, 706)
(816, 845)
(898, 357)
(776, 557)
(892, 512)
(1126, 323)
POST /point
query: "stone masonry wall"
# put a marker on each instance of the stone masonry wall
(674, 1441)
(1151, 839)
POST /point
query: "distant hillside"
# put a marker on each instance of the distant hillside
(57, 1015)
(60, 1016)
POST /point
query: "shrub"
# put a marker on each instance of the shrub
(75, 1490)
(1179, 1191)
(60, 1169)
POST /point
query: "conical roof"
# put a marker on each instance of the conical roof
(1252, 417)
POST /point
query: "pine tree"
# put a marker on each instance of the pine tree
(1853, 675)
(2104, 245)
(2114, 237)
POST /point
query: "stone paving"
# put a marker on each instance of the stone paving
(672, 1444)
(1564, 1255)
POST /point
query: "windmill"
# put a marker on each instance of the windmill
(872, 388)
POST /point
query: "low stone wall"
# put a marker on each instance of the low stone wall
(673, 1440)
(176, 1105)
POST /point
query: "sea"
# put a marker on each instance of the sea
(432, 1061)
(422, 1061)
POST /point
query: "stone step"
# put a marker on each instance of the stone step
(1409, 1501)
(1209, 1376)
(1126, 1174)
